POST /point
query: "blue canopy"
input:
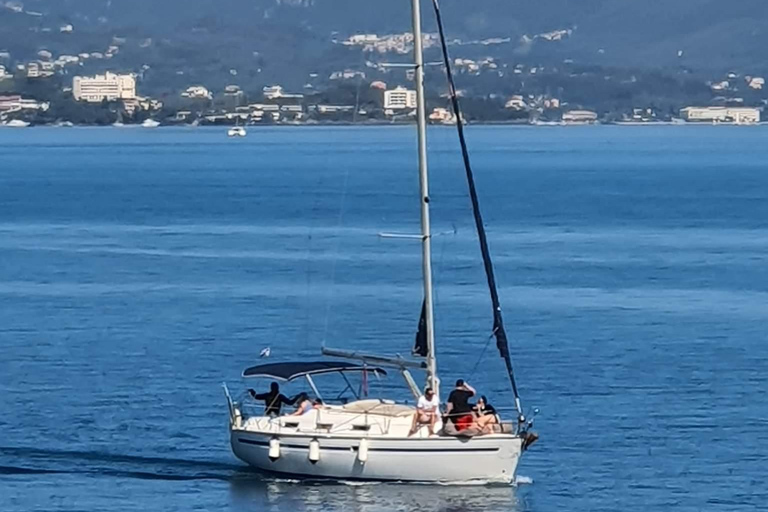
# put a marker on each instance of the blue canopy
(293, 370)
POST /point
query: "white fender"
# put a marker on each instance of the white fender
(362, 450)
(274, 449)
(314, 451)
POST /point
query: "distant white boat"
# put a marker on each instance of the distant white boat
(16, 123)
(150, 123)
(237, 131)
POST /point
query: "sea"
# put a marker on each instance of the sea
(140, 269)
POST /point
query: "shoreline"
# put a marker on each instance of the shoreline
(383, 124)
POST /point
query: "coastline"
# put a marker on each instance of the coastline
(385, 124)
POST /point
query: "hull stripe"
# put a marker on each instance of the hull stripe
(373, 449)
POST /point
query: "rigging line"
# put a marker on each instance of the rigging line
(482, 355)
(336, 254)
(498, 323)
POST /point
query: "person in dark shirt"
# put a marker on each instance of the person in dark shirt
(458, 409)
(273, 399)
(486, 415)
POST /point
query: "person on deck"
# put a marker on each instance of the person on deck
(427, 409)
(458, 410)
(273, 399)
(303, 405)
(485, 415)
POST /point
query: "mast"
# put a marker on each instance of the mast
(426, 242)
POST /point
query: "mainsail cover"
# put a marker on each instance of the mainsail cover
(498, 323)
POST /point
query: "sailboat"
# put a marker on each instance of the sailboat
(371, 439)
(237, 130)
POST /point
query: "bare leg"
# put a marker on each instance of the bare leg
(486, 423)
(432, 421)
(415, 424)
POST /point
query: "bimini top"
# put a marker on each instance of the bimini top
(290, 371)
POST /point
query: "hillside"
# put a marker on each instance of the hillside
(253, 42)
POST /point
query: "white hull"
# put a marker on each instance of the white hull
(388, 453)
(436, 459)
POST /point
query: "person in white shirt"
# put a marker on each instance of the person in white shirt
(427, 411)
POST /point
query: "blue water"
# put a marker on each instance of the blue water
(139, 269)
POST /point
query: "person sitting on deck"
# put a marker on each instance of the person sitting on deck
(427, 409)
(485, 415)
(273, 399)
(458, 410)
(304, 405)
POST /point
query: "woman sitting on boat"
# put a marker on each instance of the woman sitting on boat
(485, 415)
(303, 405)
(306, 405)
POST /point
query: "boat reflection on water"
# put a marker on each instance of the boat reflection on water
(252, 490)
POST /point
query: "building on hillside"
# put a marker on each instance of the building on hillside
(109, 86)
(197, 92)
(15, 103)
(272, 92)
(516, 102)
(347, 74)
(140, 103)
(33, 70)
(332, 109)
(643, 115)
(441, 115)
(737, 115)
(378, 84)
(233, 97)
(276, 92)
(66, 60)
(399, 98)
(579, 116)
(756, 83)
(3, 73)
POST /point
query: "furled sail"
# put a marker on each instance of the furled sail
(420, 347)
(498, 323)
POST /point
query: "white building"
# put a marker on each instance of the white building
(197, 92)
(333, 109)
(347, 74)
(738, 115)
(442, 115)
(378, 84)
(3, 73)
(579, 116)
(33, 70)
(274, 92)
(516, 102)
(15, 103)
(756, 83)
(110, 87)
(399, 98)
